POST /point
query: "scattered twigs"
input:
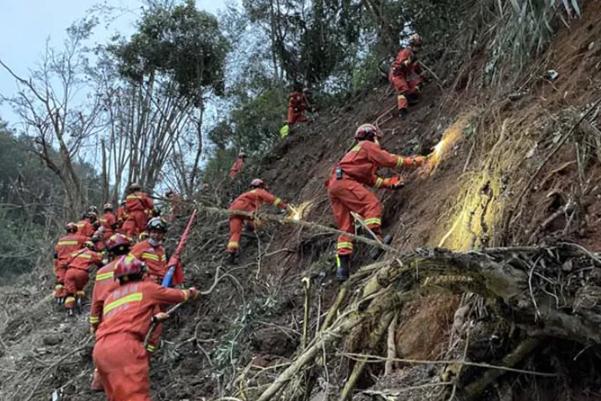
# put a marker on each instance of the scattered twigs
(43, 375)
(379, 359)
(558, 146)
(307, 309)
(174, 308)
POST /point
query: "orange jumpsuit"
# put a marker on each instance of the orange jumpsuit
(104, 284)
(121, 217)
(154, 257)
(248, 202)
(297, 104)
(405, 76)
(236, 167)
(119, 353)
(108, 221)
(85, 228)
(349, 194)
(63, 248)
(77, 274)
(138, 206)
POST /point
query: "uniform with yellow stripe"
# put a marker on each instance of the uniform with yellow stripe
(249, 201)
(154, 258)
(63, 248)
(77, 274)
(119, 353)
(348, 191)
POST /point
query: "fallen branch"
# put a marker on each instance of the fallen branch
(305, 224)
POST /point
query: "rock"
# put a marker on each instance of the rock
(52, 340)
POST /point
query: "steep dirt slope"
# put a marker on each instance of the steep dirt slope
(497, 181)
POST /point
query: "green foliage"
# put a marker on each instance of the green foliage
(182, 42)
(522, 30)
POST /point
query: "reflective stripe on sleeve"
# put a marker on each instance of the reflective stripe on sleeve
(373, 221)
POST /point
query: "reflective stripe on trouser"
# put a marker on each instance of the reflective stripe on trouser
(122, 363)
(75, 281)
(348, 196)
(403, 87)
(236, 223)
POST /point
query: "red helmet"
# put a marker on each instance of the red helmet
(127, 266)
(257, 183)
(107, 206)
(367, 132)
(116, 241)
(71, 227)
(415, 40)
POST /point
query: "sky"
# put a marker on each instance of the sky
(26, 25)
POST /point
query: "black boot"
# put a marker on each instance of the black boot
(379, 251)
(231, 258)
(343, 267)
(403, 113)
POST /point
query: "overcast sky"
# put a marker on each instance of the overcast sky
(25, 25)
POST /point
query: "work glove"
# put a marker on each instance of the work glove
(193, 293)
(393, 183)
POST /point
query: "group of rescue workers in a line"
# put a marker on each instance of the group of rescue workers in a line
(127, 245)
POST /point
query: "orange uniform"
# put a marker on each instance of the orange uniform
(77, 274)
(297, 104)
(63, 248)
(85, 228)
(348, 192)
(236, 167)
(154, 258)
(248, 202)
(109, 222)
(119, 353)
(121, 216)
(138, 206)
(405, 76)
(103, 285)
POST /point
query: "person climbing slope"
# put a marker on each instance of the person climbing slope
(63, 248)
(119, 354)
(108, 221)
(405, 75)
(88, 224)
(118, 246)
(237, 166)
(139, 208)
(348, 193)
(297, 105)
(249, 201)
(78, 268)
(151, 250)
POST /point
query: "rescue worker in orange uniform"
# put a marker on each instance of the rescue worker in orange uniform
(108, 221)
(297, 104)
(118, 246)
(237, 166)
(121, 216)
(71, 242)
(78, 268)
(348, 193)
(176, 205)
(151, 251)
(406, 75)
(139, 207)
(249, 201)
(88, 224)
(119, 353)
